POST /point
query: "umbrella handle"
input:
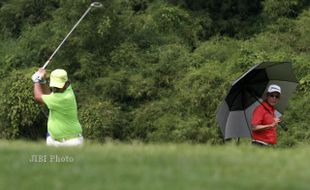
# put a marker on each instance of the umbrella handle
(283, 126)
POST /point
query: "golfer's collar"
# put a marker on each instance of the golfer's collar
(68, 87)
(268, 106)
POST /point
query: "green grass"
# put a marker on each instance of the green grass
(146, 167)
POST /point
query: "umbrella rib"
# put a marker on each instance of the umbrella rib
(284, 80)
(246, 120)
(237, 94)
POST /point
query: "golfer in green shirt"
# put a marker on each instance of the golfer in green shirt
(64, 128)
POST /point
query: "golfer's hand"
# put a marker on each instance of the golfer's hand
(35, 78)
(39, 76)
(41, 72)
(276, 121)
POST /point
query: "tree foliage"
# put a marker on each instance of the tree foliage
(152, 70)
(19, 114)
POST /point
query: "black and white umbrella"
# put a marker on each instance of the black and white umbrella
(235, 112)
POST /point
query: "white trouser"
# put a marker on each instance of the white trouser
(70, 142)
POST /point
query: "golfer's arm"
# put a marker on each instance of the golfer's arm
(261, 127)
(39, 90)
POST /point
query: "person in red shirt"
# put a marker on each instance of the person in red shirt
(264, 121)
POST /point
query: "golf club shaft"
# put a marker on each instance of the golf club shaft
(78, 22)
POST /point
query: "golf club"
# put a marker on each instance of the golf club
(92, 5)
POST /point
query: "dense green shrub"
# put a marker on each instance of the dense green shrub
(302, 65)
(172, 62)
(15, 15)
(145, 116)
(221, 49)
(302, 32)
(141, 88)
(113, 86)
(164, 121)
(150, 70)
(102, 120)
(126, 56)
(297, 119)
(201, 90)
(281, 8)
(19, 113)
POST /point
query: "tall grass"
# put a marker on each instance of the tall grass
(153, 166)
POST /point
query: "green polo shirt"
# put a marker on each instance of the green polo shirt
(63, 117)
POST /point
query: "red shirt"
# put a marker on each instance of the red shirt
(264, 114)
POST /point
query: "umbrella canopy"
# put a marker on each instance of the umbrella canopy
(235, 112)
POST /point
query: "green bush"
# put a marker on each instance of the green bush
(179, 128)
(113, 86)
(141, 88)
(164, 121)
(19, 114)
(302, 32)
(126, 56)
(297, 118)
(102, 120)
(144, 118)
(15, 15)
(172, 62)
(304, 84)
(201, 90)
(149, 70)
(281, 8)
(221, 49)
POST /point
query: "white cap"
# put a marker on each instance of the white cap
(274, 88)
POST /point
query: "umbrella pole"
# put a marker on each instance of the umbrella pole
(246, 120)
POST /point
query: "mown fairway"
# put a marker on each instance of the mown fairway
(167, 166)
